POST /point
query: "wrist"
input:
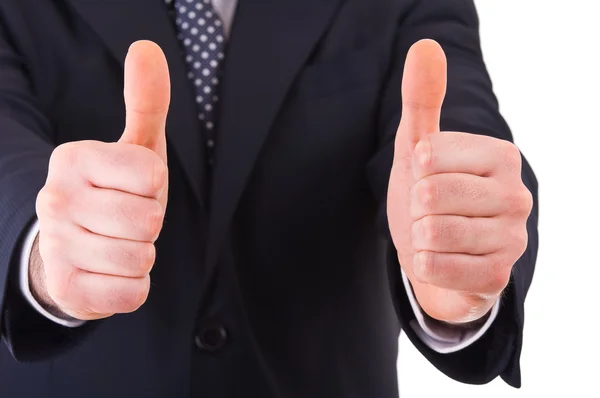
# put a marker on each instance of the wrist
(37, 284)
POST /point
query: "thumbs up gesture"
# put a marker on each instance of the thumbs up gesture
(457, 207)
(102, 206)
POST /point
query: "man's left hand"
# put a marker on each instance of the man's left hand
(457, 207)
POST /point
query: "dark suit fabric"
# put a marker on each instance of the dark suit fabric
(288, 248)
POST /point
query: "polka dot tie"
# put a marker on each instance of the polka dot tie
(203, 36)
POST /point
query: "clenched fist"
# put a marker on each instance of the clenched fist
(457, 207)
(103, 204)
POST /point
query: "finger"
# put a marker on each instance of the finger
(147, 94)
(423, 91)
(459, 194)
(128, 168)
(457, 234)
(104, 255)
(86, 316)
(118, 214)
(105, 294)
(451, 152)
(461, 272)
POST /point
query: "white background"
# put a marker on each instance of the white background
(544, 59)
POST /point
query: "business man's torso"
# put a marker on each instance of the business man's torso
(270, 280)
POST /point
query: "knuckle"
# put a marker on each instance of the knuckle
(146, 257)
(159, 174)
(131, 300)
(154, 220)
(427, 194)
(526, 201)
(520, 240)
(51, 203)
(64, 156)
(519, 200)
(423, 154)
(423, 268)
(511, 156)
(431, 231)
(512, 200)
(500, 277)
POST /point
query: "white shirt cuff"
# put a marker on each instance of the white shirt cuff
(24, 280)
(439, 338)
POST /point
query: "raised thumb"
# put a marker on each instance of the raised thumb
(147, 93)
(423, 92)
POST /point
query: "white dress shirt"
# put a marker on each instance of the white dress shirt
(435, 335)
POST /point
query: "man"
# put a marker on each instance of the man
(317, 198)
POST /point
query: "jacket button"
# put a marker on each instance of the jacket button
(211, 336)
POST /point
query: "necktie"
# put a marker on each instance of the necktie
(203, 37)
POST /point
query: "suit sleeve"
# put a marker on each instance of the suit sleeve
(25, 149)
(470, 106)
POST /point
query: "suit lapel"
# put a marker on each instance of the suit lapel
(121, 22)
(269, 42)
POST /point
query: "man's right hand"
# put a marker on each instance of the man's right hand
(103, 205)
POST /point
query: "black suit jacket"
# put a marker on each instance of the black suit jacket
(279, 278)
